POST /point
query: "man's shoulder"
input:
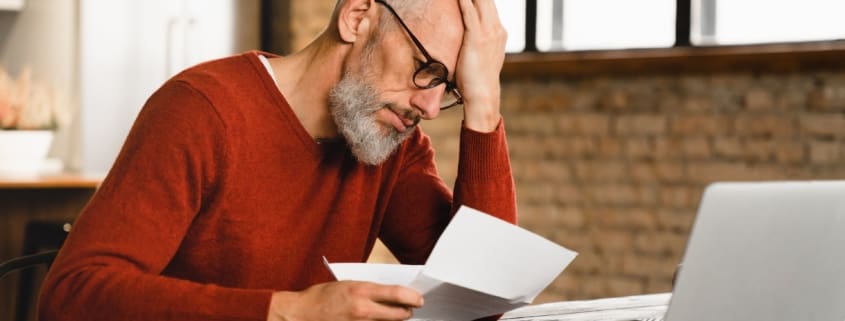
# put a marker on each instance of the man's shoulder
(221, 72)
(229, 81)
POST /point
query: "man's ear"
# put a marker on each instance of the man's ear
(349, 18)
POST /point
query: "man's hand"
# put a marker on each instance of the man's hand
(345, 300)
(479, 64)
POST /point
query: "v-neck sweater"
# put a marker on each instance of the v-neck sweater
(219, 197)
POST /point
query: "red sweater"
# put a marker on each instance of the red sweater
(220, 197)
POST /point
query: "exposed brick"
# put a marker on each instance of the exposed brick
(617, 194)
(529, 148)
(766, 125)
(594, 287)
(648, 266)
(569, 217)
(641, 124)
(639, 148)
(679, 197)
(567, 194)
(676, 220)
(649, 171)
(827, 153)
(533, 170)
(608, 147)
(587, 263)
(573, 147)
(701, 124)
(698, 104)
(614, 241)
(672, 148)
(708, 172)
(579, 241)
(658, 285)
(542, 193)
(615, 100)
(790, 152)
(638, 219)
(601, 171)
(759, 99)
(565, 285)
(662, 243)
(728, 148)
(622, 286)
(823, 125)
(584, 124)
(828, 98)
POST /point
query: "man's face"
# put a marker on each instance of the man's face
(354, 103)
(376, 104)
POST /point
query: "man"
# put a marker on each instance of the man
(240, 174)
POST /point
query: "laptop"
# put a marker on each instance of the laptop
(772, 251)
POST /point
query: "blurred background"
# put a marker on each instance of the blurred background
(618, 112)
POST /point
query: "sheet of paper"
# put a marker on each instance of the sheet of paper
(486, 254)
(638, 307)
(391, 274)
(479, 267)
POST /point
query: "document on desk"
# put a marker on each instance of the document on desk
(480, 266)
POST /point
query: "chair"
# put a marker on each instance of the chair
(41, 242)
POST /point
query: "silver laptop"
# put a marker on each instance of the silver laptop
(765, 251)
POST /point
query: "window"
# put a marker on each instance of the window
(512, 14)
(569, 25)
(763, 21)
(604, 24)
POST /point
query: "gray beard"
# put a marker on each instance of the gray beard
(353, 102)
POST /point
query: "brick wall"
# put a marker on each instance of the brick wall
(613, 167)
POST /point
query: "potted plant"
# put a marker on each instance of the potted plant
(30, 112)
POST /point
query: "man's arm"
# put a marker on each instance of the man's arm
(480, 63)
(111, 264)
(421, 205)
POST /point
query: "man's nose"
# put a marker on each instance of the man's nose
(427, 101)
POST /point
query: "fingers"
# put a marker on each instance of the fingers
(478, 12)
(383, 302)
(469, 14)
(396, 295)
(487, 11)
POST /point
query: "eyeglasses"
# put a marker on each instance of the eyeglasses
(431, 73)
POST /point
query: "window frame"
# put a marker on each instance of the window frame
(683, 57)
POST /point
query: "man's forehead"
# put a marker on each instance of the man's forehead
(440, 28)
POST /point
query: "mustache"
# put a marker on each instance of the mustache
(406, 113)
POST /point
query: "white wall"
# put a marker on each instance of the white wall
(130, 47)
(110, 55)
(43, 35)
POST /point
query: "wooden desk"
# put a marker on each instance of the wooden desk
(57, 197)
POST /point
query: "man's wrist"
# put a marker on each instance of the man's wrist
(279, 302)
(482, 122)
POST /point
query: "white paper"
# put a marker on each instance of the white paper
(639, 307)
(480, 266)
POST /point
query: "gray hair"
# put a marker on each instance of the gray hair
(409, 10)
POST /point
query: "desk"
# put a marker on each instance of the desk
(46, 197)
(632, 308)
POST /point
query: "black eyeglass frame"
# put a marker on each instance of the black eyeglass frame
(429, 64)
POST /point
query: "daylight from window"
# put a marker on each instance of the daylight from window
(512, 13)
(605, 24)
(569, 25)
(761, 21)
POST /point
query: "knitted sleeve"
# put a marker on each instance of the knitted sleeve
(421, 205)
(110, 266)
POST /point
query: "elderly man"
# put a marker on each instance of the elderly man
(240, 174)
